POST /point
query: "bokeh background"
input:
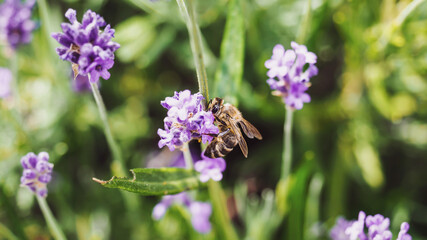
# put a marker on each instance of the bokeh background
(361, 144)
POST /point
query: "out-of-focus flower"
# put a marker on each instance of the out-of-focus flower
(86, 46)
(377, 225)
(210, 168)
(290, 72)
(355, 231)
(5, 82)
(200, 211)
(200, 214)
(15, 23)
(338, 231)
(403, 233)
(185, 120)
(37, 172)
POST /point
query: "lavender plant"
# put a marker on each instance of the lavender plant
(200, 211)
(16, 25)
(91, 53)
(377, 229)
(89, 49)
(36, 175)
(289, 78)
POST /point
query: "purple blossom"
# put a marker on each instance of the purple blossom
(210, 168)
(37, 172)
(338, 231)
(290, 72)
(85, 45)
(81, 84)
(200, 211)
(5, 82)
(403, 233)
(15, 23)
(355, 231)
(185, 120)
(377, 229)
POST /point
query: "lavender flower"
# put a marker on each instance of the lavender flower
(338, 231)
(378, 229)
(185, 120)
(403, 233)
(86, 46)
(81, 84)
(200, 211)
(287, 76)
(15, 23)
(355, 231)
(5, 81)
(37, 172)
(210, 168)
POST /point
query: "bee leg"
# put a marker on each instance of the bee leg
(223, 133)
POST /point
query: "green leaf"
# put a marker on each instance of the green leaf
(155, 181)
(230, 69)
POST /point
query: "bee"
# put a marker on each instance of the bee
(229, 119)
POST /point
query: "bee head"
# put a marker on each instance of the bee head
(215, 105)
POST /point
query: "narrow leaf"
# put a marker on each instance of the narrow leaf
(230, 69)
(155, 181)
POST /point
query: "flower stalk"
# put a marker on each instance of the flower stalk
(118, 164)
(188, 12)
(287, 144)
(187, 156)
(50, 219)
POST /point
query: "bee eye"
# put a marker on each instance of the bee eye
(215, 109)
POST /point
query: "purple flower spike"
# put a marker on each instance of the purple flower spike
(200, 211)
(355, 231)
(86, 46)
(5, 82)
(210, 168)
(290, 72)
(403, 233)
(15, 23)
(185, 120)
(378, 229)
(37, 172)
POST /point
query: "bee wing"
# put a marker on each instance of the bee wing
(242, 143)
(249, 129)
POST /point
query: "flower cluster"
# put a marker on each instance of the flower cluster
(86, 46)
(81, 84)
(15, 23)
(377, 226)
(37, 172)
(200, 211)
(186, 120)
(5, 81)
(290, 72)
(210, 168)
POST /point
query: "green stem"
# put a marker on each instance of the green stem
(51, 221)
(220, 212)
(287, 144)
(187, 156)
(407, 11)
(6, 233)
(117, 166)
(188, 12)
(302, 34)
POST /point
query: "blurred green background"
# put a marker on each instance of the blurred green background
(361, 144)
